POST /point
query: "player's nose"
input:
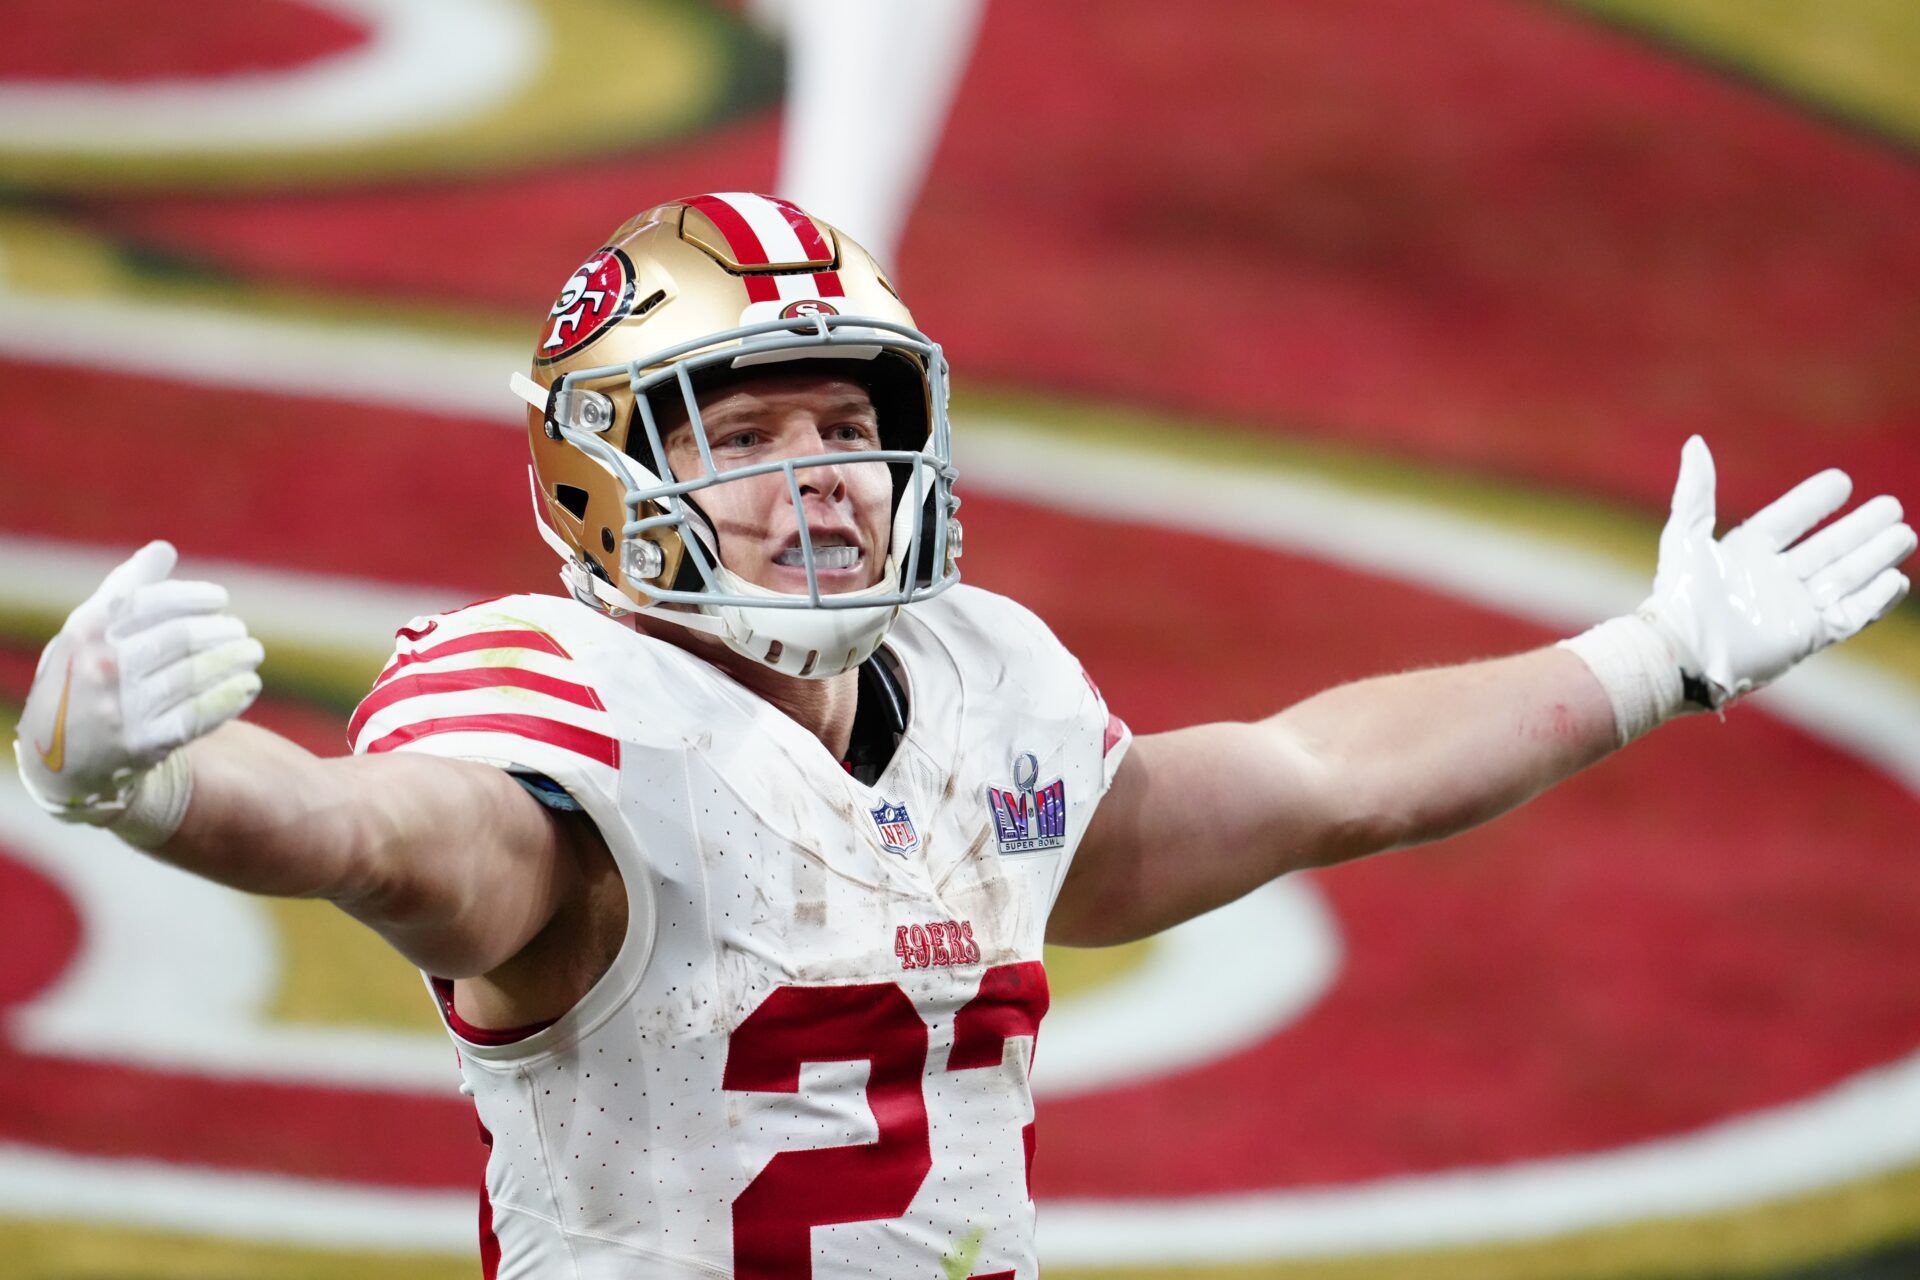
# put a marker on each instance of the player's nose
(825, 479)
(822, 481)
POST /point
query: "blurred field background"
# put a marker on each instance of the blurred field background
(1292, 343)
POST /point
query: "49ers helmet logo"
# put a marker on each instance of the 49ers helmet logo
(595, 298)
(808, 307)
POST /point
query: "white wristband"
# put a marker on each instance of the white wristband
(158, 803)
(1638, 670)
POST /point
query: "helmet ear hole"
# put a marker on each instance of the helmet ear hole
(574, 499)
(606, 539)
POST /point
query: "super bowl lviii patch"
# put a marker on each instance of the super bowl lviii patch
(1028, 818)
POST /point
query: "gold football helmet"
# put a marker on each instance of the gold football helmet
(680, 296)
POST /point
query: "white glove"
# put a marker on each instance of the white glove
(144, 666)
(1729, 616)
(1739, 612)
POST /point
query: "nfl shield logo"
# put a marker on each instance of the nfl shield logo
(896, 828)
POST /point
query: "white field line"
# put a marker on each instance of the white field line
(355, 364)
(1860, 1126)
(426, 64)
(1846, 702)
(1266, 958)
(351, 616)
(89, 1191)
(1867, 1124)
(1387, 537)
(176, 973)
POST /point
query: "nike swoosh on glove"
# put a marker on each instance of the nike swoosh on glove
(1740, 611)
(143, 666)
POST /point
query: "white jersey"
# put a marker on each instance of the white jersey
(810, 1055)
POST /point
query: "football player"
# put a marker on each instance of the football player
(730, 869)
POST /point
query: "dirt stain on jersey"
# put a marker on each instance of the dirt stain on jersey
(809, 893)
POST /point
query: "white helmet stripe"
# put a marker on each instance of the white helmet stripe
(797, 288)
(781, 241)
(776, 235)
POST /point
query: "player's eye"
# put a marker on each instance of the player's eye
(739, 440)
(853, 433)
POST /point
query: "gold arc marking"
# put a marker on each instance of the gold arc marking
(55, 756)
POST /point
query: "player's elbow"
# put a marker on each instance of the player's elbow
(1375, 807)
(461, 868)
(426, 909)
(1344, 810)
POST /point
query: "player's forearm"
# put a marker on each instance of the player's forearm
(1424, 755)
(267, 816)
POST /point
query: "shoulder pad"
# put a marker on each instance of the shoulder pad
(1001, 645)
(985, 631)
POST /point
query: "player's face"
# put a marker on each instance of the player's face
(849, 506)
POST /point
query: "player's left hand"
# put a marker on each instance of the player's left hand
(1741, 610)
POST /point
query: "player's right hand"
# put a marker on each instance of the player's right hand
(143, 666)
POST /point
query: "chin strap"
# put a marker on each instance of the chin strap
(679, 617)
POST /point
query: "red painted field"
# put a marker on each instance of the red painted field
(1492, 237)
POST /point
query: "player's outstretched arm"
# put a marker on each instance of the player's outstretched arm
(452, 862)
(129, 725)
(1198, 817)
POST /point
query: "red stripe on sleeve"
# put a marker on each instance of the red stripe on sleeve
(746, 246)
(1116, 727)
(554, 733)
(416, 686)
(526, 639)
